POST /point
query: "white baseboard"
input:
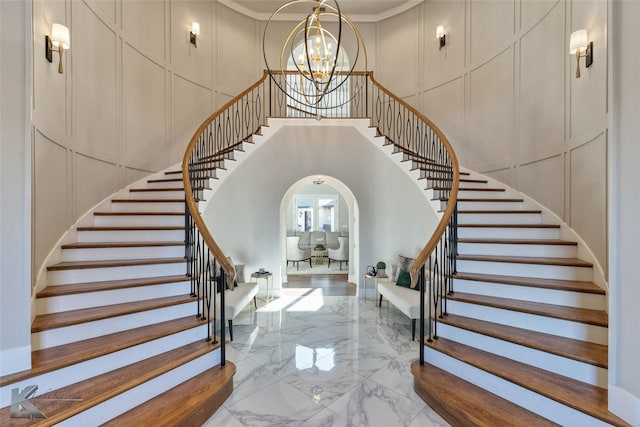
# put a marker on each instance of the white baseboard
(625, 405)
(15, 359)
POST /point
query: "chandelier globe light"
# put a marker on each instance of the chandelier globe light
(314, 52)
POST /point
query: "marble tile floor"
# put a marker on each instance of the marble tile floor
(307, 359)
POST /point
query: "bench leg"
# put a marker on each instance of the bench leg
(230, 330)
(310, 266)
(380, 303)
(413, 329)
(255, 302)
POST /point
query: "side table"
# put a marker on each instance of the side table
(268, 277)
(375, 284)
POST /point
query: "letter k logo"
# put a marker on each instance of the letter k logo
(21, 407)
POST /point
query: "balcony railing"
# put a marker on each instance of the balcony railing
(360, 96)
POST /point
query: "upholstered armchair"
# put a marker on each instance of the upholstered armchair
(342, 253)
(295, 254)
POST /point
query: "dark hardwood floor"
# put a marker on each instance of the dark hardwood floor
(331, 284)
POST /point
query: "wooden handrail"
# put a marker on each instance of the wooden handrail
(188, 191)
(424, 254)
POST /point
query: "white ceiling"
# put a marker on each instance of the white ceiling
(356, 10)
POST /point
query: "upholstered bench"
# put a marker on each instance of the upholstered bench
(406, 300)
(236, 300)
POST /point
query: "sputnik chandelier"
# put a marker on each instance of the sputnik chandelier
(317, 63)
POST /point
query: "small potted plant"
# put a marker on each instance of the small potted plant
(381, 266)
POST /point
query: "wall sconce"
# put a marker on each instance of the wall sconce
(59, 41)
(318, 180)
(194, 33)
(579, 46)
(440, 35)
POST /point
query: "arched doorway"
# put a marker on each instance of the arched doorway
(348, 226)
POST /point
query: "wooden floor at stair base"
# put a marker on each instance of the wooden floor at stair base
(463, 404)
(189, 404)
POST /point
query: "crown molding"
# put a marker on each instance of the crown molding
(367, 18)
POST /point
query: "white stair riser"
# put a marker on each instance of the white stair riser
(104, 254)
(507, 233)
(166, 184)
(173, 194)
(533, 294)
(64, 277)
(477, 194)
(131, 236)
(136, 396)
(147, 207)
(515, 218)
(560, 272)
(79, 332)
(560, 365)
(138, 220)
(534, 402)
(499, 249)
(473, 184)
(482, 206)
(115, 296)
(100, 365)
(548, 325)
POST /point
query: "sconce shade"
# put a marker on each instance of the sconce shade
(439, 31)
(578, 41)
(60, 36)
(195, 28)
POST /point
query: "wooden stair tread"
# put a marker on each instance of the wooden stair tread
(581, 396)
(477, 199)
(132, 228)
(49, 321)
(464, 404)
(53, 358)
(190, 403)
(79, 265)
(574, 314)
(178, 172)
(509, 225)
(554, 242)
(442, 168)
(435, 178)
(147, 200)
(149, 213)
(98, 245)
(562, 285)
(154, 189)
(582, 351)
(80, 288)
(93, 391)
(569, 262)
(165, 180)
(472, 189)
(503, 211)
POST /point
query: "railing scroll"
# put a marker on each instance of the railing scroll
(424, 144)
(214, 141)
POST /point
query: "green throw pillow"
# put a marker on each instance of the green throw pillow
(404, 280)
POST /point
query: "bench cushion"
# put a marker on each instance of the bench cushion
(405, 299)
(235, 300)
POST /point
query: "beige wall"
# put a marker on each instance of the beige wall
(503, 90)
(133, 92)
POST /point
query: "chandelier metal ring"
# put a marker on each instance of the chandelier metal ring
(315, 56)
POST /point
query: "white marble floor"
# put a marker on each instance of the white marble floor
(307, 359)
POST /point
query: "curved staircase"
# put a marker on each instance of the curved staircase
(116, 334)
(525, 326)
